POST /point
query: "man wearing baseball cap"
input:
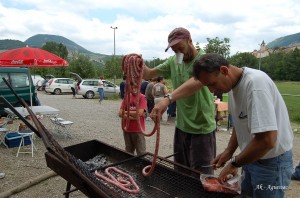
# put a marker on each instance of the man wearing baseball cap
(194, 138)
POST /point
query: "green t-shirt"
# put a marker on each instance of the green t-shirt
(195, 114)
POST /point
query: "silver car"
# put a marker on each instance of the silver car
(59, 85)
(88, 88)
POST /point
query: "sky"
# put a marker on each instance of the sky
(143, 26)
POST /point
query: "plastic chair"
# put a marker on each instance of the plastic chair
(3, 132)
(65, 126)
(55, 122)
(30, 135)
(61, 126)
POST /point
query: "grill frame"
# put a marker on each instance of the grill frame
(87, 150)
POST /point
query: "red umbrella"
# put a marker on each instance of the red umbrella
(32, 58)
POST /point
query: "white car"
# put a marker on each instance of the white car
(37, 80)
(88, 88)
(59, 85)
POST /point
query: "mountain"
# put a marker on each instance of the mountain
(40, 39)
(7, 44)
(285, 41)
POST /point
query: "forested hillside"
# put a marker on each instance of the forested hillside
(285, 41)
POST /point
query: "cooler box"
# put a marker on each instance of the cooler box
(14, 139)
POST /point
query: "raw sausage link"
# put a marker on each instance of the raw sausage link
(120, 182)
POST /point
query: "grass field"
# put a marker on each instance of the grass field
(289, 90)
(291, 95)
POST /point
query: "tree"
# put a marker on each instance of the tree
(292, 60)
(83, 66)
(56, 48)
(197, 46)
(218, 46)
(60, 50)
(113, 67)
(244, 59)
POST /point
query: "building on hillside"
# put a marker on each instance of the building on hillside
(264, 51)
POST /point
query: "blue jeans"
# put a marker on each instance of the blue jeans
(297, 172)
(268, 177)
(231, 124)
(101, 93)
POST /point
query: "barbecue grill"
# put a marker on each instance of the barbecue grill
(71, 164)
(164, 182)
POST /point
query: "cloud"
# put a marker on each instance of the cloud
(143, 27)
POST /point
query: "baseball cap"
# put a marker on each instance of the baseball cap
(177, 35)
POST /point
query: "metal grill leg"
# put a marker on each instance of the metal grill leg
(68, 190)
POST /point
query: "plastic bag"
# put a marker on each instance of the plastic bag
(211, 183)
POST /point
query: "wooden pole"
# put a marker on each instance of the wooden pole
(27, 184)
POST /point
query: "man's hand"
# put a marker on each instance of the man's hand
(228, 172)
(159, 109)
(221, 159)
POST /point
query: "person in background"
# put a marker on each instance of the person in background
(73, 88)
(218, 95)
(144, 86)
(133, 136)
(101, 89)
(77, 85)
(172, 110)
(159, 91)
(150, 97)
(261, 130)
(296, 174)
(122, 87)
(194, 137)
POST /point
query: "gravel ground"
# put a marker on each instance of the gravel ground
(91, 121)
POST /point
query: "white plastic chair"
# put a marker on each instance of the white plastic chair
(61, 126)
(30, 135)
(55, 122)
(3, 132)
(65, 126)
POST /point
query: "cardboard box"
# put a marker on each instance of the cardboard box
(14, 139)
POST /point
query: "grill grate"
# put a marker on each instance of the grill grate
(164, 182)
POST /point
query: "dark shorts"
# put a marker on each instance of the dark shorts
(195, 150)
(73, 91)
(135, 142)
(150, 105)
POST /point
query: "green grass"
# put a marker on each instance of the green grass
(291, 96)
(289, 87)
(113, 97)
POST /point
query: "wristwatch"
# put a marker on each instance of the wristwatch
(169, 97)
(234, 163)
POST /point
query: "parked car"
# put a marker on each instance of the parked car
(88, 88)
(59, 85)
(48, 76)
(18, 79)
(37, 81)
(42, 85)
